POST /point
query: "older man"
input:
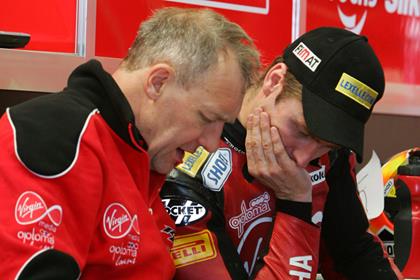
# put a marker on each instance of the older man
(77, 197)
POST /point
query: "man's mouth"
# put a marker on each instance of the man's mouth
(179, 156)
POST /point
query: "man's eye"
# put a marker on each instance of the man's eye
(204, 118)
(304, 134)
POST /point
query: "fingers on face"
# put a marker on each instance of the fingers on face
(260, 153)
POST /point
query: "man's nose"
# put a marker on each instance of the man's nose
(210, 137)
(304, 154)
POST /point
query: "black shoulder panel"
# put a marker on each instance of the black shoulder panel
(47, 131)
(50, 264)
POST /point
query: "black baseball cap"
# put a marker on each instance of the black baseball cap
(342, 80)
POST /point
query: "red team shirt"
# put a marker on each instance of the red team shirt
(77, 194)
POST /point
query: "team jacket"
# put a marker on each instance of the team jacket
(77, 196)
(231, 227)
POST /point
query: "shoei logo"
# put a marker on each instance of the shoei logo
(257, 7)
(31, 208)
(217, 169)
(304, 54)
(356, 90)
(118, 222)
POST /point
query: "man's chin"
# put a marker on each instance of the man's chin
(162, 168)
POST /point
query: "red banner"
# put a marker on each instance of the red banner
(392, 26)
(268, 22)
(51, 23)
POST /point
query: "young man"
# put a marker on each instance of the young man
(77, 196)
(279, 198)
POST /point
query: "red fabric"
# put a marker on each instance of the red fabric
(101, 212)
(288, 259)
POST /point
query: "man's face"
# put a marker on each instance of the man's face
(300, 145)
(187, 118)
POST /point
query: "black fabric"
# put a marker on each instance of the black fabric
(50, 265)
(179, 185)
(318, 59)
(300, 210)
(48, 127)
(403, 225)
(344, 227)
(234, 135)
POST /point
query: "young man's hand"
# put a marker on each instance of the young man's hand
(269, 162)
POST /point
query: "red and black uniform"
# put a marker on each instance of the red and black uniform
(231, 227)
(77, 195)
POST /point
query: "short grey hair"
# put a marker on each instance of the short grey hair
(191, 40)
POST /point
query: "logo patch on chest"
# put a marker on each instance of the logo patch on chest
(217, 169)
(257, 207)
(118, 222)
(123, 228)
(318, 176)
(184, 212)
(193, 248)
(40, 221)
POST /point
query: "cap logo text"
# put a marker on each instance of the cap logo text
(304, 54)
(356, 90)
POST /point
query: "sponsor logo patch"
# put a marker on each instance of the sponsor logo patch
(389, 187)
(184, 212)
(169, 232)
(31, 208)
(191, 163)
(193, 248)
(356, 90)
(257, 207)
(124, 230)
(308, 58)
(118, 222)
(317, 176)
(217, 169)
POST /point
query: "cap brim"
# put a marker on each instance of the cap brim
(331, 124)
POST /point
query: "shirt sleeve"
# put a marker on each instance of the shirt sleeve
(47, 222)
(355, 253)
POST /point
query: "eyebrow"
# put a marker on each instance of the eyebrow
(223, 117)
(302, 123)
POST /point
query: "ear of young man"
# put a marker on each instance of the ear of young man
(273, 82)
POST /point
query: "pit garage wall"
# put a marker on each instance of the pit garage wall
(66, 33)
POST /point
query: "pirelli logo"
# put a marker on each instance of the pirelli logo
(356, 90)
(191, 163)
(193, 248)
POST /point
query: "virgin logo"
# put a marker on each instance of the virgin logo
(31, 208)
(118, 222)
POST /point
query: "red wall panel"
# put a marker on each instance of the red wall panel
(117, 24)
(51, 23)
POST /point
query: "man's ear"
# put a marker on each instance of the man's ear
(158, 76)
(274, 79)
